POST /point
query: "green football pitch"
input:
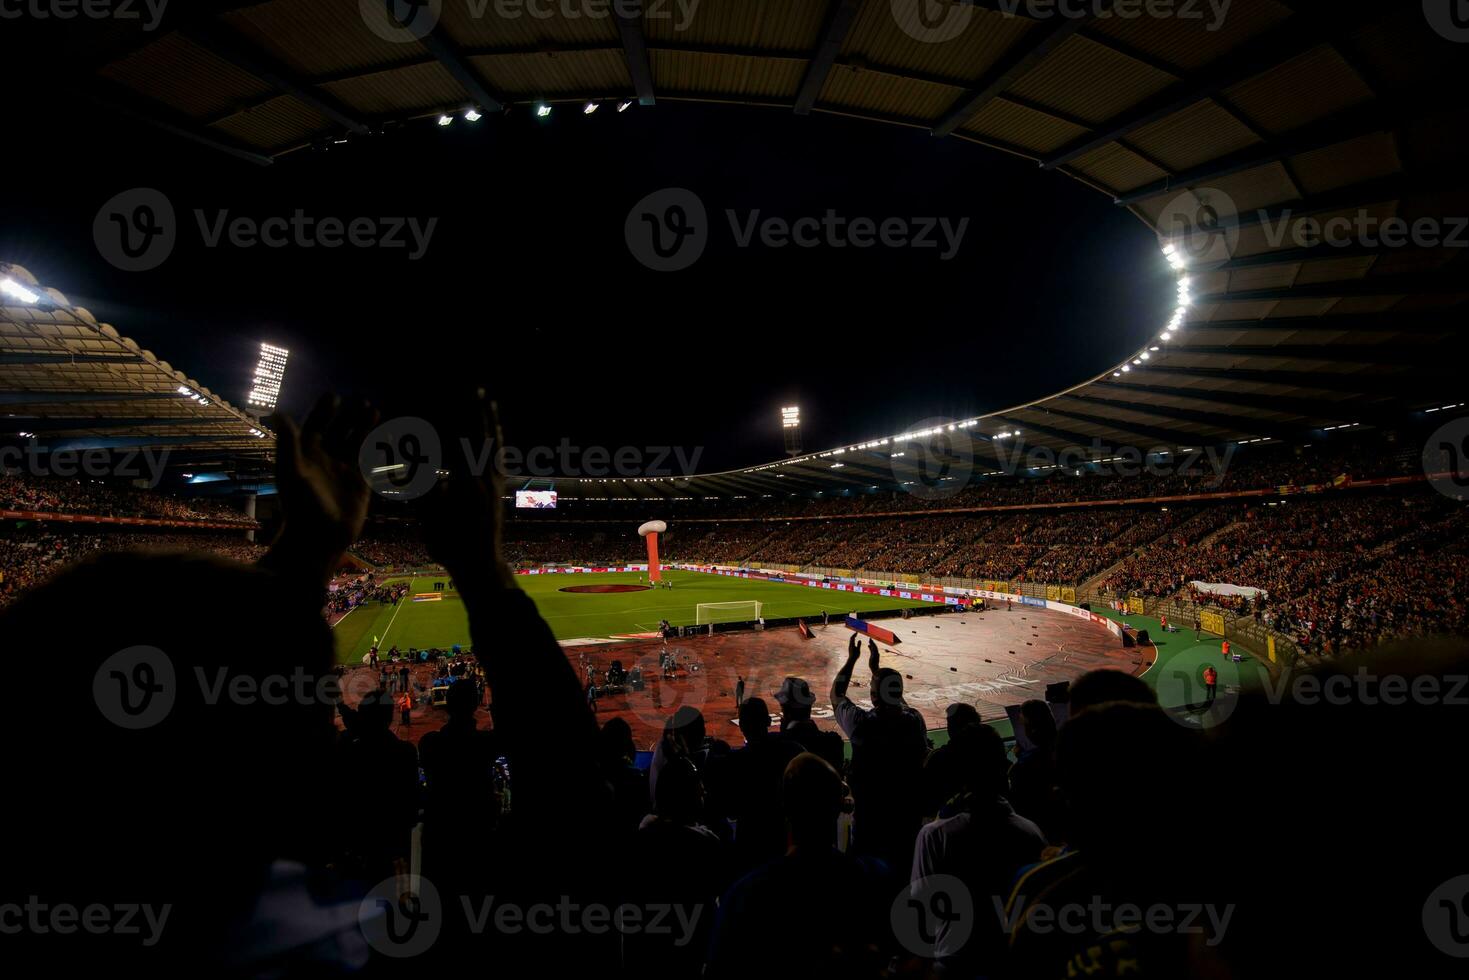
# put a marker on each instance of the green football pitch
(442, 624)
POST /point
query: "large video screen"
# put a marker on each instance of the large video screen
(535, 499)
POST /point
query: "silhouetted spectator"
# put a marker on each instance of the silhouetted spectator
(815, 911)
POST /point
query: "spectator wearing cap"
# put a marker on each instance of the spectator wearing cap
(796, 700)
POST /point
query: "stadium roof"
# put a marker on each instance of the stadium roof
(1284, 109)
(74, 383)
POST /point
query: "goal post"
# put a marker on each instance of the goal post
(706, 613)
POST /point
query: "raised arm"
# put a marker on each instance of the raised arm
(538, 705)
(323, 493)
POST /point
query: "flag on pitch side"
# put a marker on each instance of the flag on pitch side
(805, 630)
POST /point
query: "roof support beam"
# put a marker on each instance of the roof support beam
(839, 19)
(1254, 427)
(629, 16)
(436, 42)
(1362, 385)
(1169, 437)
(1409, 356)
(1330, 411)
(94, 422)
(70, 398)
(118, 100)
(1034, 48)
(1355, 323)
(38, 358)
(234, 49)
(1439, 283)
(1340, 128)
(1253, 58)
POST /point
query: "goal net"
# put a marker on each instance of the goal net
(726, 612)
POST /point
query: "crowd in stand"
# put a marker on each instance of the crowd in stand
(1339, 570)
(262, 839)
(31, 555)
(24, 492)
(1332, 573)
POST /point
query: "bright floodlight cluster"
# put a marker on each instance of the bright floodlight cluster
(1178, 264)
(269, 371)
(15, 290)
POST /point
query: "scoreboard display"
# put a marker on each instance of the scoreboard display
(535, 499)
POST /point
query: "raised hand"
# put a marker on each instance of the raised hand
(463, 516)
(871, 654)
(323, 493)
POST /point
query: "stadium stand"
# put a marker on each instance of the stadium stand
(1303, 837)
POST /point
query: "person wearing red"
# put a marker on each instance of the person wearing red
(1211, 681)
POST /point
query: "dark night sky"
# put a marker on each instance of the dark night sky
(528, 284)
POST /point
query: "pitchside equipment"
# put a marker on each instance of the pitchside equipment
(726, 612)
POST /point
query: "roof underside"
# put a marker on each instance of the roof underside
(1277, 111)
(74, 383)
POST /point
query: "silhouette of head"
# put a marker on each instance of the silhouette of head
(795, 700)
(981, 761)
(754, 719)
(959, 716)
(169, 712)
(462, 700)
(617, 741)
(887, 688)
(1038, 722)
(1101, 686)
(375, 713)
(680, 792)
(811, 796)
(688, 724)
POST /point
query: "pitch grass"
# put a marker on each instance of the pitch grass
(570, 615)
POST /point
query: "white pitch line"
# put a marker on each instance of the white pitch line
(396, 610)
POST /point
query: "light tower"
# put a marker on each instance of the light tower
(650, 532)
(270, 370)
(790, 424)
